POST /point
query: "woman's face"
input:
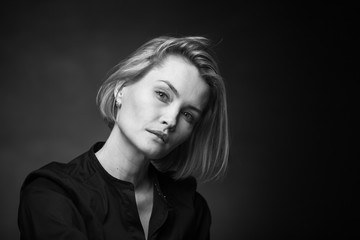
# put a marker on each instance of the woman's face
(159, 111)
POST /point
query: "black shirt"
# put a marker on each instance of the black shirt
(80, 200)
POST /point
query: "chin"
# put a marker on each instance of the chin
(155, 155)
(154, 150)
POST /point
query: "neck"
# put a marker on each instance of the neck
(121, 160)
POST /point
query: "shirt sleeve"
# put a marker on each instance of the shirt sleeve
(46, 212)
(203, 218)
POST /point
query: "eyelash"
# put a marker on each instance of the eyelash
(162, 95)
(189, 118)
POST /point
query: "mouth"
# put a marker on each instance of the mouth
(159, 134)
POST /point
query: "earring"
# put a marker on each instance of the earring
(117, 103)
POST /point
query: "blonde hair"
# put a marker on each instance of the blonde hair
(205, 154)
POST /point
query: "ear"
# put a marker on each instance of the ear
(118, 92)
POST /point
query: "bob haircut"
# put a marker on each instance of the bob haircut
(205, 154)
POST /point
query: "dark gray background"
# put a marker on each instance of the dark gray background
(287, 69)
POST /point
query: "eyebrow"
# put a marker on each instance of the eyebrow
(177, 94)
(171, 87)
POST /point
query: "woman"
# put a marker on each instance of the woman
(166, 107)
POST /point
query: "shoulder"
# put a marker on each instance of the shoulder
(57, 177)
(51, 199)
(201, 205)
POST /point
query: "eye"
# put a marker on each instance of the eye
(162, 96)
(189, 117)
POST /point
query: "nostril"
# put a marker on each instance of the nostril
(169, 121)
(170, 126)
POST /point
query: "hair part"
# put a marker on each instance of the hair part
(205, 154)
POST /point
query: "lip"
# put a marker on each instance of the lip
(163, 136)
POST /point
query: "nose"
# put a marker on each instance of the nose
(169, 120)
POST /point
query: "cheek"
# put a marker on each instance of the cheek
(184, 133)
(136, 106)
